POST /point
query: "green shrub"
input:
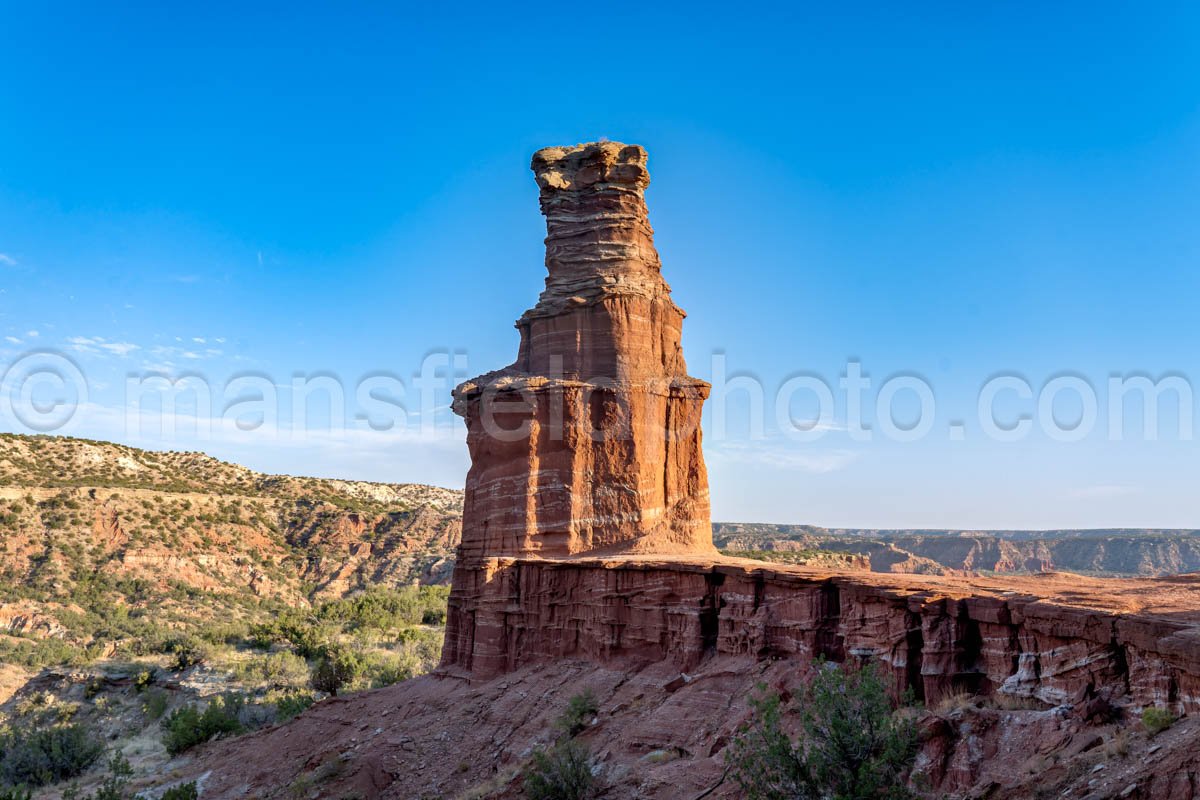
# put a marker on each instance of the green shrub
(853, 746)
(434, 616)
(1157, 720)
(19, 793)
(304, 634)
(388, 609)
(188, 726)
(113, 787)
(277, 669)
(47, 755)
(336, 668)
(563, 772)
(225, 632)
(189, 652)
(145, 679)
(290, 705)
(581, 708)
(184, 791)
(155, 704)
(384, 669)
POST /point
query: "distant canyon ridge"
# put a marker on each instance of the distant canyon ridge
(168, 522)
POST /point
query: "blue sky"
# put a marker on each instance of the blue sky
(947, 191)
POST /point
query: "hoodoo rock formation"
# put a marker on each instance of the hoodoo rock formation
(590, 441)
(586, 530)
(586, 563)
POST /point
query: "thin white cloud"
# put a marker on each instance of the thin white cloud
(32, 334)
(119, 348)
(199, 340)
(166, 353)
(96, 345)
(12, 340)
(7, 260)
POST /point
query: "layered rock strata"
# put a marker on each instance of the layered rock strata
(586, 531)
(590, 441)
(938, 637)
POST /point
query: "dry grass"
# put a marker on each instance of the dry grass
(959, 701)
(1118, 745)
(495, 785)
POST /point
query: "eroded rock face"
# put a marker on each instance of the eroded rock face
(586, 531)
(590, 441)
(938, 638)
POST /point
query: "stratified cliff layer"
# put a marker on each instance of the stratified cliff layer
(1054, 639)
(586, 533)
(590, 441)
(1031, 685)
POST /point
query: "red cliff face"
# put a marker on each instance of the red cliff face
(586, 532)
(590, 441)
(939, 637)
(586, 563)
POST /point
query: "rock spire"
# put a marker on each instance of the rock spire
(590, 441)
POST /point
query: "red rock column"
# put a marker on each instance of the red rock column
(590, 442)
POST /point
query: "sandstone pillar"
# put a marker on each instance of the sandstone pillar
(590, 441)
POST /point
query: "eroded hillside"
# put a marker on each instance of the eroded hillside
(92, 528)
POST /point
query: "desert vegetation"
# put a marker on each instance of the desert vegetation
(565, 769)
(155, 601)
(852, 743)
(266, 672)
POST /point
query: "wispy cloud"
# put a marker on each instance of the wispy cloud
(32, 334)
(7, 260)
(98, 345)
(166, 355)
(1104, 492)
(12, 340)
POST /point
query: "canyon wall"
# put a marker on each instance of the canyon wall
(586, 528)
(937, 639)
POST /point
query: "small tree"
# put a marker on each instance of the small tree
(113, 786)
(852, 745)
(564, 772)
(580, 711)
(188, 726)
(337, 667)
